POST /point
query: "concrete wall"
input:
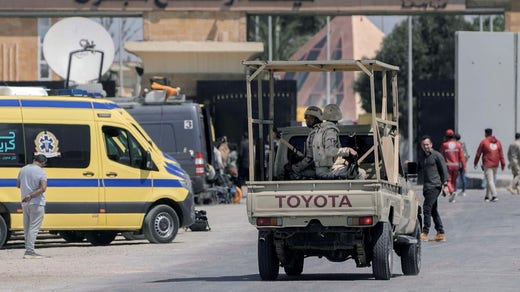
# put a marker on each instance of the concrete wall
(18, 49)
(486, 88)
(195, 26)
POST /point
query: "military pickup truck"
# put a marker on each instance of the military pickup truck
(361, 219)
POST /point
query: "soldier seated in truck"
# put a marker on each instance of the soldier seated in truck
(304, 169)
(358, 142)
(330, 159)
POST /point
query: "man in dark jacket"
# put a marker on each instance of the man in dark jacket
(492, 156)
(435, 180)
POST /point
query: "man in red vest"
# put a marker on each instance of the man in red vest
(453, 154)
(490, 148)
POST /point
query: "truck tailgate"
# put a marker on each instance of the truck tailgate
(296, 203)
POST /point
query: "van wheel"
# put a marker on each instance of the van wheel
(72, 236)
(4, 232)
(411, 254)
(100, 237)
(161, 224)
(383, 254)
(268, 263)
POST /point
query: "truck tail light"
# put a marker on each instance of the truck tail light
(199, 164)
(360, 221)
(268, 221)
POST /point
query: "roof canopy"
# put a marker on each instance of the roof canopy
(194, 57)
(320, 66)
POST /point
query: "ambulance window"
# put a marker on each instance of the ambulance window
(123, 148)
(11, 145)
(66, 146)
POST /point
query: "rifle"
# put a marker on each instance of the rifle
(289, 145)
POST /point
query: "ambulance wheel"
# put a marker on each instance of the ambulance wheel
(383, 252)
(268, 263)
(4, 232)
(100, 237)
(161, 224)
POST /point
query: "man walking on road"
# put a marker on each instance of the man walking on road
(492, 155)
(32, 181)
(435, 180)
(452, 151)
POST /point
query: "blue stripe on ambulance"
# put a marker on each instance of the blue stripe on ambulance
(175, 170)
(73, 183)
(58, 104)
(122, 182)
(9, 102)
(7, 182)
(58, 183)
(169, 156)
(108, 106)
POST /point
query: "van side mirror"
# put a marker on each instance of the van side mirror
(149, 162)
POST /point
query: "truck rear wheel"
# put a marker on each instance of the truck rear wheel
(411, 254)
(295, 266)
(4, 232)
(382, 261)
(161, 224)
(268, 263)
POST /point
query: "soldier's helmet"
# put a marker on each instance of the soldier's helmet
(315, 112)
(332, 113)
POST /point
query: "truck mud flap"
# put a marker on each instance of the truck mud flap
(406, 239)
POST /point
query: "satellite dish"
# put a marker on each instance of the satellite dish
(78, 49)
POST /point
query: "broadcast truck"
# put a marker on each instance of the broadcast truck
(365, 220)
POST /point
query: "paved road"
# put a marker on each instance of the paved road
(482, 253)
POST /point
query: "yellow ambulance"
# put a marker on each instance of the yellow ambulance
(105, 174)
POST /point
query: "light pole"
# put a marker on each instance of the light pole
(410, 101)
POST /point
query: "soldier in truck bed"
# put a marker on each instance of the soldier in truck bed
(331, 160)
(304, 169)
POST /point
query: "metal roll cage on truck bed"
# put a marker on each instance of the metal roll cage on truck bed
(361, 219)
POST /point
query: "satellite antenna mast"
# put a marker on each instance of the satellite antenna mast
(87, 47)
(79, 50)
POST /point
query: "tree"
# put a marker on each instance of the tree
(289, 33)
(433, 55)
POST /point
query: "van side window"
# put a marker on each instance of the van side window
(123, 148)
(11, 145)
(163, 135)
(65, 146)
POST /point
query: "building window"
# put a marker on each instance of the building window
(44, 71)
